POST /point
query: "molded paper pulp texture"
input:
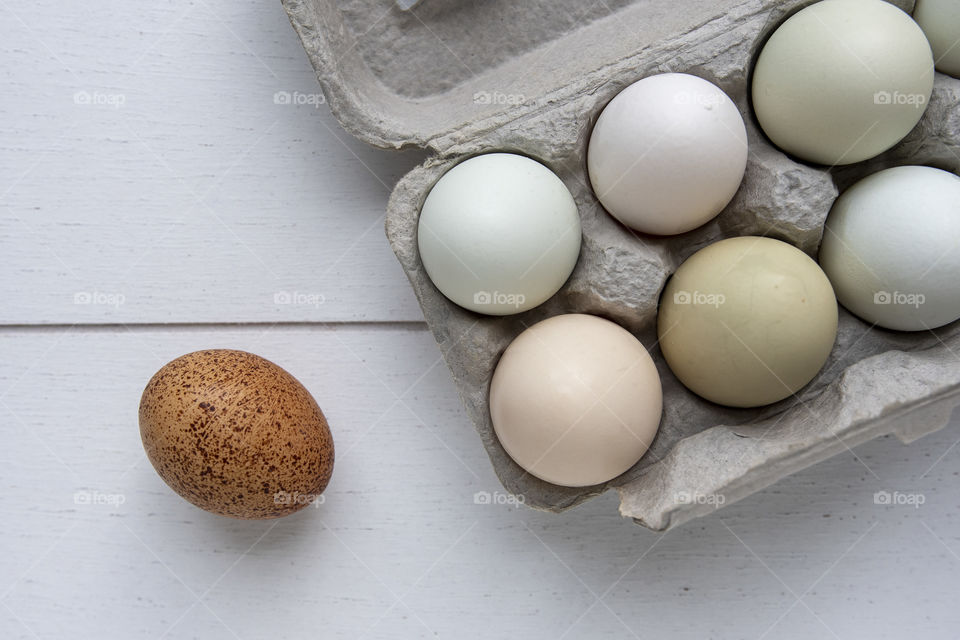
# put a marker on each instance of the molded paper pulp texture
(465, 78)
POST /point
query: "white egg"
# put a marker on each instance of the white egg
(667, 154)
(891, 248)
(940, 20)
(499, 234)
(842, 81)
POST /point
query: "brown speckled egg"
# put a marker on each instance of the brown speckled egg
(235, 434)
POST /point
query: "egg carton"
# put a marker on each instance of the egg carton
(460, 79)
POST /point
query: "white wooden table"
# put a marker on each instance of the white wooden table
(156, 199)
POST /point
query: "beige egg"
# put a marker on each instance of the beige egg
(576, 400)
(747, 321)
(236, 435)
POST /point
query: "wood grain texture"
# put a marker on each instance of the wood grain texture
(105, 200)
(148, 173)
(100, 547)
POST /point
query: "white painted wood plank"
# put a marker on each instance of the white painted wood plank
(146, 166)
(400, 520)
(193, 195)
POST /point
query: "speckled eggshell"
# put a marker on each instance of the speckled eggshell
(236, 435)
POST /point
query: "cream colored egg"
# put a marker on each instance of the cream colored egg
(747, 321)
(576, 400)
(842, 81)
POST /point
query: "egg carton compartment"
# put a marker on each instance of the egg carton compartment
(555, 74)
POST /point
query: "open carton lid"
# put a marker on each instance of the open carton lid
(447, 70)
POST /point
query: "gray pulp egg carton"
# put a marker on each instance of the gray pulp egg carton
(462, 78)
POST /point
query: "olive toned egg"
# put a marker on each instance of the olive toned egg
(747, 321)
(236, 435)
